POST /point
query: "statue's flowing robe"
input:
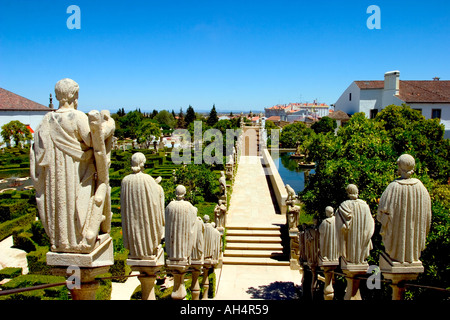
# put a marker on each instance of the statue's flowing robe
(354, 230)
(181, 231)
(62, 168)
(197, 251)
(328, 243)
(142, 209)
(405, 215)
(212, 242)
(312, 245)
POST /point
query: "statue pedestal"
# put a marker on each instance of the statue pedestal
(328, 270)
(178, 268)
(399, 272)
(294, 249)
(85, 268)
(148, 269)
(351, 271)
(208, 264)
(196, 266)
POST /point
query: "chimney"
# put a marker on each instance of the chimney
(436, 78)
(392, 81)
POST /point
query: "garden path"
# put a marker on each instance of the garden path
(251, 206)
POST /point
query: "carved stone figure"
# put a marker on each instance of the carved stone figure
(328, 244)
(142, 209)
(405, 214)
(354, 227)
(293, 210)
(198, 250)
(212, 242)
(220, 213)
(181, 231)
(312, 244)
(69, 164)
(223, 185)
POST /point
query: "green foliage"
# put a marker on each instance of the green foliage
(190, 116)
(29, 280)
(293, 133)
(9, 227)
(212, 118)
(166, 118)
(324, 125)
(201, 183)
(37, 261)
(10, 273)
(16, 131)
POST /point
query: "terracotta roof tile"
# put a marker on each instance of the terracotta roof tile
(11, 101)
(415, 91)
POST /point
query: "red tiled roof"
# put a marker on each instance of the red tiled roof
(13, 102)
(274, 118)
(416, 91)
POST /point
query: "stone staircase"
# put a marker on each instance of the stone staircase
(254, 246)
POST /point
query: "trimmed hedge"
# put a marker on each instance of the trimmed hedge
(21, 223)
(29, 280)
(10, 273)
(37, 261)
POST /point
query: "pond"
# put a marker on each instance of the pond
(290, 172)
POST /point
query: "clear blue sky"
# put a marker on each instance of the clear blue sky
(236, 54)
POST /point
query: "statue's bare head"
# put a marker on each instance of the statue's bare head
(329, 211)
(406, 164)
(66, 92)
(180, 192)
(352, 191)
(137, 162)
(206, 218)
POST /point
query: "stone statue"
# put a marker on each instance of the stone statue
(405, 214)
(328, 246)
(354, 228)
(212, 242)
(293, 210)
(197, 252)
(142, 209)
(220, 212)
(223, 185)
(312, 244)
(69, 164)
(181, 228)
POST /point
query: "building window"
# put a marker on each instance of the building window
(373, 113)
(435, 113)
(350, 96)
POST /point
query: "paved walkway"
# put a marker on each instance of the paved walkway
(251, 205)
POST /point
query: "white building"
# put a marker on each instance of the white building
(15, 107)
(431, 98)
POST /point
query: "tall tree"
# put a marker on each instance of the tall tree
(180, 121)
(16, 131)
(213, 118)
(190, 116)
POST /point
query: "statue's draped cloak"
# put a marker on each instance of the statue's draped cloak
(354, 229)
(62, 168)
(142, 209)
(405, 215)
(197, 251)
(181, 230)
(328, 242)
(212, 242)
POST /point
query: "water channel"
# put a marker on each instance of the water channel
(289, 170)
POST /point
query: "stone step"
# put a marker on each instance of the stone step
(254, 254)
(252, 239)
(254, 261)
(254, 246)
(263, 227)
(249, 232)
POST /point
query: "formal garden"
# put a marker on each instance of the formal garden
(18, 209)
